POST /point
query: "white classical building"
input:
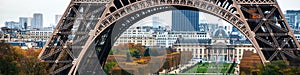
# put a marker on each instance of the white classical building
(40, 35)
(138, 34)
(167, 39)
(218, 48)
(158, 37)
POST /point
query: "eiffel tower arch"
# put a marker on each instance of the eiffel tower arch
(85, 34)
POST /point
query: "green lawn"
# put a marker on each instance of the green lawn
(210, 68)
(232, 70)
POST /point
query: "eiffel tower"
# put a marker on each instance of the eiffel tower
(84, 36)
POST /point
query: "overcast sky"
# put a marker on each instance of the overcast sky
(11, 10)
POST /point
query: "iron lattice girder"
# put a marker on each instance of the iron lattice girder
(59, 51)
(271, 2)
(207, 6)
(269, 32)
(91, 1)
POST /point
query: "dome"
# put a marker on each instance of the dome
(220, 33)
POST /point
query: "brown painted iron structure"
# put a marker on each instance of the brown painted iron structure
(84, 36)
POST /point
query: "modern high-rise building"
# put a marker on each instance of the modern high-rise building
(57, 18)
(37, 21)
(25, 22)
(293, 18)
(185, 20)
(12, 25)
(155, 23)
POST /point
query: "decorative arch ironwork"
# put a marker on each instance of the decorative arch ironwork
(261, 21)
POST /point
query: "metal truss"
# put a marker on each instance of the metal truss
(81, 42)
(70, 35)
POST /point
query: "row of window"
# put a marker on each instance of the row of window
(207, 51)
(181, 35)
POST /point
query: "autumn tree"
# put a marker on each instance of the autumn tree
(31, 65)
(9, 58)
(140, 48)
(108, 66)
(279, 67)
(16, 61)
(135, 50)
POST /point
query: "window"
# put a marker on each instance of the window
(200, 51)
(215, 50)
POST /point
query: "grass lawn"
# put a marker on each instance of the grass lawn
(210, 68)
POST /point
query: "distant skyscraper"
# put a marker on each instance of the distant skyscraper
(37, 21)
(57, 18)
(293, 18)
(155, 21)
(12, 24)
(25, 22)
(185, 20)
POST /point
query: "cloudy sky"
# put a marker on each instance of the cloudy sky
(11, 10)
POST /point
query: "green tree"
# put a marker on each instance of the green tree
(140, 48)
(108, 66)
(31, 65)
(279, 67)
(146, 53)
(166, 65)
(134, 53)
(9, 58)
(16, 61)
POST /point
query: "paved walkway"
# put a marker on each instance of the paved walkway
(182, 67)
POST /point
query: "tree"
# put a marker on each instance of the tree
(130, 45)
(111, 52)
(169, 50)
(134, 53)
(9, 58)
(108, 66)
(166, 65)
(279, 67)
(31, 65)
(140, 48)
(16, 61)
(146, 53)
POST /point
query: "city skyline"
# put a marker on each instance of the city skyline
(13, 9)
(140, 37)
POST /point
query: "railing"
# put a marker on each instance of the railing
(92, 1)
(256, 2)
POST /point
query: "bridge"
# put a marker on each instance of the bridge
(85, 34)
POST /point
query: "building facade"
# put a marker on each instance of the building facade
(297, 35)
(219, 48)
(57, 18)
(167, 39)
(37, 21)
(25, 22)
(157, 37)
(13, 25)
(293, 18)
(185, 20)
(138, 35)
(39, 35)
